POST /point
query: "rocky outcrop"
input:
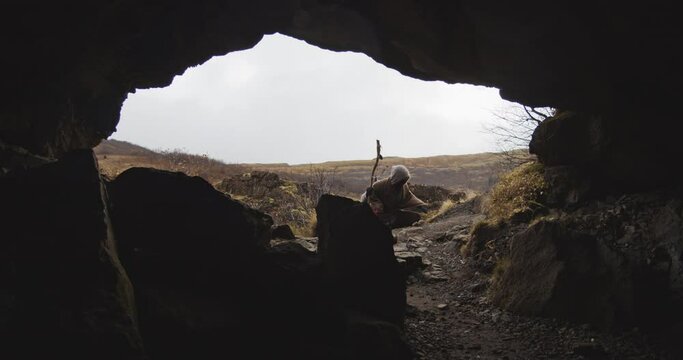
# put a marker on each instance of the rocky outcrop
(358, 257)
(612, 263)
(288, 202)
(64, 293)
(208, 286)
(596, 155)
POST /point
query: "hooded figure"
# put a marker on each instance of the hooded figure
(391, 199)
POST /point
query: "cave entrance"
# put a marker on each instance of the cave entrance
(287, 107)
(287, 101)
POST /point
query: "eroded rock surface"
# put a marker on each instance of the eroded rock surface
(615, 262)
(64, 292)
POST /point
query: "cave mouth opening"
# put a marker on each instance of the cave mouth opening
(285, 101)
(289, 108)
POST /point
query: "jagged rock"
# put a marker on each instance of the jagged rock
(190, 252)
(64, 293)
(609, 264)
(161, 212)
(358, 256)
(283, 232)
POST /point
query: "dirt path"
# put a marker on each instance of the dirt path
(449, 317)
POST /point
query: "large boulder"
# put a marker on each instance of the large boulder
(164, 216)
(358, 257)
(190, 251)
(609, 154)
(613, 263)
(63, 292)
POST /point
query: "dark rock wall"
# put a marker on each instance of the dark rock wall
(70, 66)
(64, 290)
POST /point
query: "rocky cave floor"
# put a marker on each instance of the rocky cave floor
(449, 317)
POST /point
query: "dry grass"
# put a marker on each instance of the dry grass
(210, 169)
(516, 192)
(307, 229)
(445, 206)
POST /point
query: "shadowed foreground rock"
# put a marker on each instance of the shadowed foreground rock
(63, 292)
(182, 227)
(207, 286)
(358, 256)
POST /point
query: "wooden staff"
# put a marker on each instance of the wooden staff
(374, 168)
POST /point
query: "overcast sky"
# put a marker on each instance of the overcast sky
(287, 101)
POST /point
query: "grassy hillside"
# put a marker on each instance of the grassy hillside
(475, 172)
(116, 156)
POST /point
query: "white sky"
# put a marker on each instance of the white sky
(287, 101)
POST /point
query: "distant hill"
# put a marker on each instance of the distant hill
(475, 172)
(118, 147)
(116, 156)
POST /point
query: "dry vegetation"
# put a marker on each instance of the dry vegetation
(115, 157)
(519, 191)
(516, 197)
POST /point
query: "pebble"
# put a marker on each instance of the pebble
(442, 306)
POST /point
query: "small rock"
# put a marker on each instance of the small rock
(400, 247)
(478, 287)
(435, 276)
(442, 306)
(461, 238)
